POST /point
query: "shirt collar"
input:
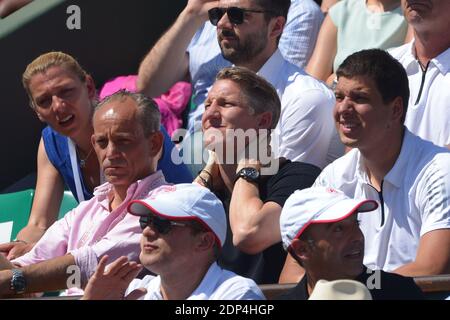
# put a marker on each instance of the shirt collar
(396, 175)
(208, 284)
(410, 56)
(442, 61)
(137, 190)
(202, 292)
(271, 70)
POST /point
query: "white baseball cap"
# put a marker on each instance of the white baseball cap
(340, 290)
(317, 205)
(184, 202)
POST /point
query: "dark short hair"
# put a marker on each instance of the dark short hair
(260, 95)
(387, 73)
(148, 111)
(276, 7)
(196, 228)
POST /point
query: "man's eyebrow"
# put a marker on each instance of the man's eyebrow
(124, 134)
(328, 226)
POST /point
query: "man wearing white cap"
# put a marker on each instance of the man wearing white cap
(320, 229)
(184, 228)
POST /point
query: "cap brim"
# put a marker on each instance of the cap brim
(340, 211)
(171, 212)
(143, 208)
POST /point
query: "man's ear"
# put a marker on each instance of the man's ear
(93, 140)
(206, 241)
(156, 141)
(90, 85)
(264, 120)
(276, 26)
(301, 249)
(398, 109)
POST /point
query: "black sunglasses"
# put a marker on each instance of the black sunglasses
(235, 14)
(163, 226)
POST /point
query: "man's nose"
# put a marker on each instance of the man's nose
(150, 231)
(212, 112)
(344, 106)
(112, 150)
(357, 235)
(224, 22)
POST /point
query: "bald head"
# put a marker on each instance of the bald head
(131, 106)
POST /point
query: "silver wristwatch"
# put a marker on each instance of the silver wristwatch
(18, 282)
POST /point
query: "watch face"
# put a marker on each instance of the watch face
(249, 174)
(18, 282)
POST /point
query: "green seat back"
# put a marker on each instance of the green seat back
(15, 208)
(68, 203)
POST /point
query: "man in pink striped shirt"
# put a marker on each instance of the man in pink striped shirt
(127, 141)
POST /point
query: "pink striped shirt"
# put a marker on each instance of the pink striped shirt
(90, 231)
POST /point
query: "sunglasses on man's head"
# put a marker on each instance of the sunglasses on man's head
(163, 226)
(235, 14)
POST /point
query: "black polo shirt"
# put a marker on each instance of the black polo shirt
(391, 287)
(265, 267)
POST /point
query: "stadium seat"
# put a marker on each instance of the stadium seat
(68, 203)
(14, 212)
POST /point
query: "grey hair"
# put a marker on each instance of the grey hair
(148, 111)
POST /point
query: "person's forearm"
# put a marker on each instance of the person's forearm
(31, 233)
(49, 275)
(9, 6)
(415, 269)
(244, 207)
(4, 263)
(167, 61)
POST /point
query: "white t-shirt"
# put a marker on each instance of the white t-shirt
(218, 284)
(415, 199)
(429, 116)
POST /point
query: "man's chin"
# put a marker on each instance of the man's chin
(118, 181)
(230, 54)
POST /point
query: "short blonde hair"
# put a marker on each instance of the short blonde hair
(47, 60)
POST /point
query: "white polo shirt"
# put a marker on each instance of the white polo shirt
(415, 199)
(218, 284)
(427, 116)
(305, 130)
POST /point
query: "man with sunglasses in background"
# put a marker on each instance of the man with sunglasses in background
(248, 34)
(183, 230)
(126, 135)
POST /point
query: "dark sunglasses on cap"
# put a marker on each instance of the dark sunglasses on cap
(163, 226)
(235, 14)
